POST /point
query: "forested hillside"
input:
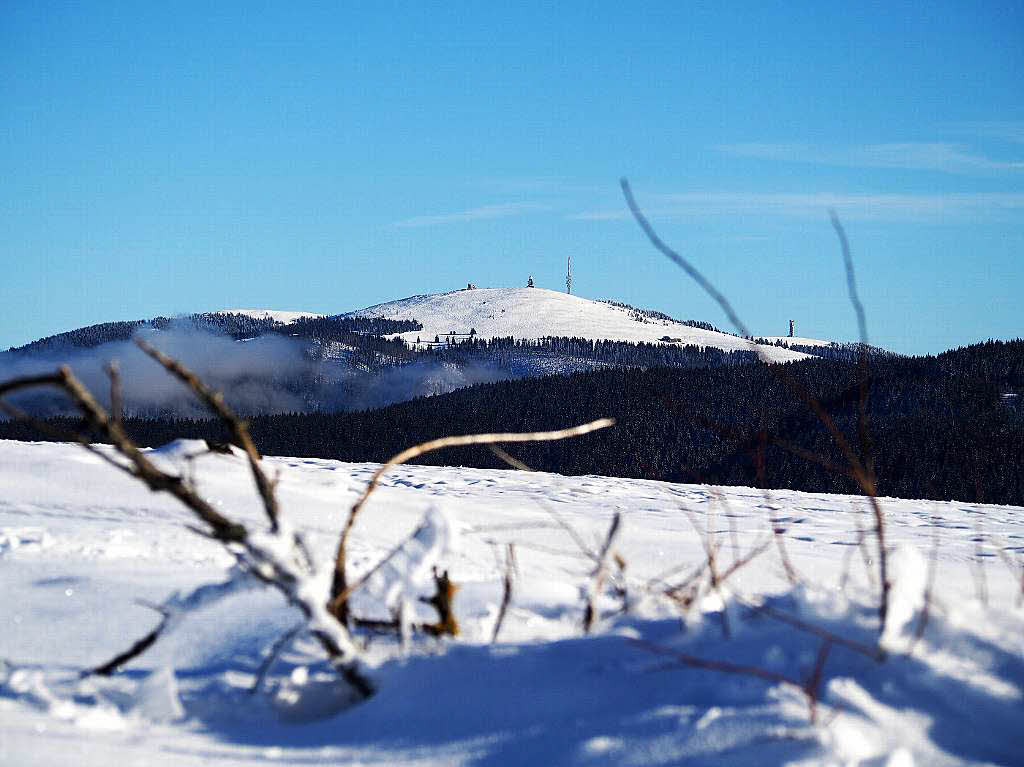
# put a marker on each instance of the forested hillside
(945, 427)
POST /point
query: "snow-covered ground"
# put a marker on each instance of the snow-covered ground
(84, 548)
(536, 312)
(797, 340)
(273, 314)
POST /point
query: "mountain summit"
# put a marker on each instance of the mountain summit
(530, 313)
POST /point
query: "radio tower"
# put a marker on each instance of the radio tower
(568, 275)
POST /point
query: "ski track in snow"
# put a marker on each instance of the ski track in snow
(81, 544)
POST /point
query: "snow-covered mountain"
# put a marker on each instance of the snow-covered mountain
(536, 312)
(277, 315)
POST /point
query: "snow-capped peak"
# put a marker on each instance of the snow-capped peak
(535, 312)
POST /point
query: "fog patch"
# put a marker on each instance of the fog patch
(419, 379)
(267, 374)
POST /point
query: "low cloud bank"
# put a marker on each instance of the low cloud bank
(262, 375)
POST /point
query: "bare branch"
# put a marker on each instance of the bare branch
(814, 679)
(681, 262)
(113, 371)
(272, 655)
(860, 470)
(851, 280)
(719, 665)
(239, 430)
(134, 651)
(875, 653)
(599, 574)
(506, 598)
(338, 606)
(31, 382)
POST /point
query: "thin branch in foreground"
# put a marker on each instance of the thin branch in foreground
(599, 574)
(273, 654)
(264, 563)
(139, 647)
(1016, 569)
(875, 653)
(113, 371)
(515, 463)
(725, 667)
(814, 678)
(710, 552)
(867, 460)
(62, 435)
(681, 262)
(922, 620)
(214, 400)
(980, 579)
(511, 569)
(862, 473)
(339, 607)
(780, 542)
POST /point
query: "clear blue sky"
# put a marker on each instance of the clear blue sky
(174, 157)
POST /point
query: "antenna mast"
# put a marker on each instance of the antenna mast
(568, 274)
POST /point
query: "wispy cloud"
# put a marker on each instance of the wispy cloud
(937, 156)
(481, 213)
(918, 207)
(1002, 130)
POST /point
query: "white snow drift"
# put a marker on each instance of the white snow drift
(84, 550)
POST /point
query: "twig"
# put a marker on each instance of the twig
(722, 666)
(814, 679)
(874, 653)
(1016, 569)
(239, 430)
(113, 371)
(599, 574)
(506, 597)
(139, 647)
(442, 602)
(338, 607)
(62, 435)
(778, 534)
(709, 550)
(515, 463)
(511, 460)
(272, 655)
(861, 472)
(862, 416)
(922, 621)
(864, 554)
(261, 562)
(980, 580)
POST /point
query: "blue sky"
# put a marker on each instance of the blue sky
(159, 159)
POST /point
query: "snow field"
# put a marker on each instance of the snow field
(535, 312)
(82, 548)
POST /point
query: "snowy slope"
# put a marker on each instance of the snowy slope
(274, 314)
(81, 543)
(799, 341)
(536, 312)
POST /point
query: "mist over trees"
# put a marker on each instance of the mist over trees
(944, 427)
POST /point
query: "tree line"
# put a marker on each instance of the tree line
(943, 427)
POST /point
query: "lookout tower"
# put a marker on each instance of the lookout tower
(792, 327)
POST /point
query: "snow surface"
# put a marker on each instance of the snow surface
(536, 312)
(798, 340)
(84, 549)
(274, 314)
